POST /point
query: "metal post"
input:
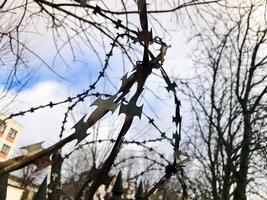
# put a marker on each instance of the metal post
(54, 186)
(41, 193)
(3, 186)
(117, 190)
(139, 192)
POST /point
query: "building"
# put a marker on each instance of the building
(10, 132)
(16, 191)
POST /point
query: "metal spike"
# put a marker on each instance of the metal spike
(106, 104)
(144, 35)
(139, 192)
(171, 86)
(41, 193)
(118, 188)
(176, 120)
(103, 106)
(126, 83)
(131, 110)
(80, 130)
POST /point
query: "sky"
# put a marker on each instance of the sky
(77, 72)
(81, 70)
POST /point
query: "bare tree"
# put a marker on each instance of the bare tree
(29, 176)
(228, 102)
(90, 24)
(14, 65)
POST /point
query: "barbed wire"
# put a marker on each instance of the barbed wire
(53, 104)
(150, 168)
(142, 71)
(141, 143)
(92, 86)
(124, 160)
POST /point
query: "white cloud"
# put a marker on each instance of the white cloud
(43, 124)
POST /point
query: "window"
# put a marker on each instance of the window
(2, 126)
(5, 148)
(12, 133)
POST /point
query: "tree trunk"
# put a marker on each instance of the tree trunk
(240, 191)
(226, 182)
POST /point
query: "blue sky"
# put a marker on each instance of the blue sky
(44, 86)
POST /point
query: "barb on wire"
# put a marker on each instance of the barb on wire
(124, 160)
(141, 174)
(92, 86)
(53, 104)
(138, 143)
(134, 80)
(142, 71)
